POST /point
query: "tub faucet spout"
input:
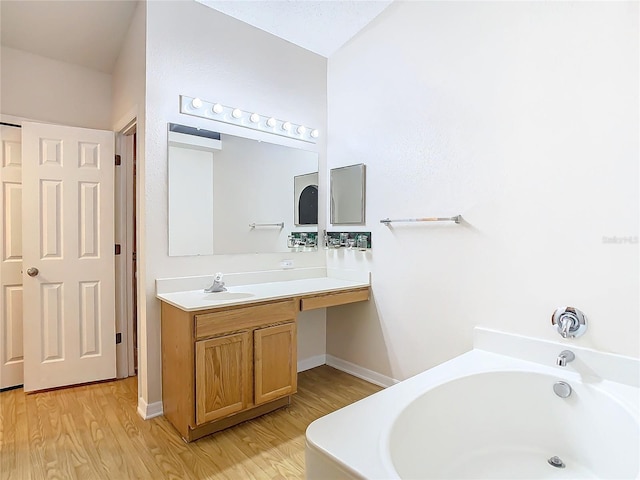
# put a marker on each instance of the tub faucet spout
(565, 357)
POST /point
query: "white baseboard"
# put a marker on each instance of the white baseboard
(147, 411)
(360, 372)
(312, 362)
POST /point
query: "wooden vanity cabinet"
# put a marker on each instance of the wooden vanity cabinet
(333, 299)
(275, 362)
(226, 383)
(223, 376)
(244, 364)
(229, 364)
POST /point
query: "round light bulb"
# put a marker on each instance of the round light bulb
(196, 103)
(286, 126)
(271, 122)
(237, 113)
(315, 133)
(254, 118)
(301, 129)
(217, 108)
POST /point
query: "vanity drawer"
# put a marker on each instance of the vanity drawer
(229, 320)
(333, 299)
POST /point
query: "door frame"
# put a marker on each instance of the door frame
(125, 227)
(125, 310)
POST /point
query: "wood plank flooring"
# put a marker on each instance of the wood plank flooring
(94, 432)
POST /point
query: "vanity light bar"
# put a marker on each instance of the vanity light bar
(235, 116)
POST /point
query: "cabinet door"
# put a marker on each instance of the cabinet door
(275, 362)
(223, 376)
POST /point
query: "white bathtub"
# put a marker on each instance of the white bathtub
(488, 414)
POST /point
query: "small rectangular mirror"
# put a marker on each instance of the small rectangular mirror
(347, 192)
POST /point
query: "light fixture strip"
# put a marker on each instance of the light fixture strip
(235, 116)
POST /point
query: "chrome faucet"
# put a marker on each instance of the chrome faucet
(217, 285)
(566, 325)
(565, 357)
(569, 321)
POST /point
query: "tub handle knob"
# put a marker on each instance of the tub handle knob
(569, 321)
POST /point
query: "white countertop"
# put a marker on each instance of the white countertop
(192, 300)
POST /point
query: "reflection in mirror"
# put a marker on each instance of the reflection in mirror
(218, 187)
(348, 194)
(305, 196)
(190, 191)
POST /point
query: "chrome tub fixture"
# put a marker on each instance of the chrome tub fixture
(562, 389)
(565, 357)
(569, 321)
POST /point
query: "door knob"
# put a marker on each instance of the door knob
(32, 271)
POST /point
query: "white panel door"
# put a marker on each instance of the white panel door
(68, 255)
(11, 356)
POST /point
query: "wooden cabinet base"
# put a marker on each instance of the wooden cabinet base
(226, 365)
(216, 426)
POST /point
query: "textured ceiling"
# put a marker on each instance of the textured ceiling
(320, 26)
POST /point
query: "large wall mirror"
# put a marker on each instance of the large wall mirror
(347, 192)
(229, 194)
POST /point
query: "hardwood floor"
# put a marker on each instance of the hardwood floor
(94, 432)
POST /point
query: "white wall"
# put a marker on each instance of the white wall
(522, 117)
(196, 51)
(128, 79)
(47, 90)
(128, 103)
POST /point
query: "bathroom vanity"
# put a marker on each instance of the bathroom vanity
(231, 356)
